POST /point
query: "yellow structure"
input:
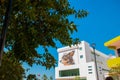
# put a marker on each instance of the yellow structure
(112, 42)
(114, 63)
(115, 45)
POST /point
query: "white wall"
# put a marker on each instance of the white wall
(56, 72)
(87, 52)
(91, 76)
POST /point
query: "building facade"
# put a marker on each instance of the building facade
(78, 61)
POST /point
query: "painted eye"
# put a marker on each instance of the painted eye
(65, 59)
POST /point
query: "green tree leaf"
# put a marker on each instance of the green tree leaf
(37, 23)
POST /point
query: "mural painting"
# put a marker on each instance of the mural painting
(67, 59)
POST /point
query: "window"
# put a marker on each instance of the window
(89, 69)
(72, 72)
(118, 51)
(89, 66)
(90, 72)
(100, 72)
(83, 79)
(80, 48)
(81, 56)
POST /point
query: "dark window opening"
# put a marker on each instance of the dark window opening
(80, 48)
(118, 51)
(89, 66)
(89, 69)
(72, 72)
(90, 72)
(81, 56)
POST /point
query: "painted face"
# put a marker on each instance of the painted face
(67, 59)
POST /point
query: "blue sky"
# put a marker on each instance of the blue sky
(101, 25)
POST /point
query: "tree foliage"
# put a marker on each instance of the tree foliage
(51, 78)
(10, 69)
(31, 77)
(37, 23)
(44, 77)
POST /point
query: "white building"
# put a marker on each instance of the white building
(78, 60)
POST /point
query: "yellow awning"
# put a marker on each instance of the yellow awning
(113, 43)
